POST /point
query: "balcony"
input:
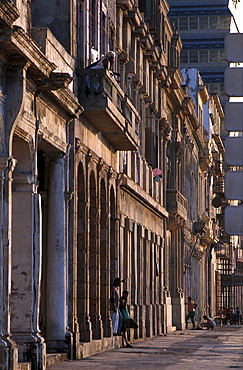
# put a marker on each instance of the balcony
(108, 109)
(210, 233)
(125, 4)
(176, 206)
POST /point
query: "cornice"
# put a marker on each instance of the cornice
(22, 134)
(67, 101)
(48, 136)
(142, 196)
(18, 44)
(8, 13)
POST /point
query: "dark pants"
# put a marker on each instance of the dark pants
(191, 316)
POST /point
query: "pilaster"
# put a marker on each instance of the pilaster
(8, 349)
(56, 303)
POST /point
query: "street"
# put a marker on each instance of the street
(221, 348)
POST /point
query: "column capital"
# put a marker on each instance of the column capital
(56, 157)
(7, 163)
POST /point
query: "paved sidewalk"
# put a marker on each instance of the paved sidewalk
(221, 348)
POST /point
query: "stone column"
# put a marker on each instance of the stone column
(176, 291)
(26, 271)
(8, 349)
(148, 293)
(56, 297)
(134, 308)
(141, 283)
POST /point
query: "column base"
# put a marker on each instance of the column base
(141, 322)
(107, 326)
(149, 321)
(136, 318)
(168, 309)
(159, 319)
(31, 348)
(97, 327)
(178, 312)
(85, 329)
(8, 354)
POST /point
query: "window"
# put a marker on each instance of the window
(221, 55)
(221, 90)
(203, 23)
(213, 56)
(184, 56)
(203, 56)
(193, 23)
(183, 23)
(214, 22)
(93, 25)
(224, 22)
(193, 58)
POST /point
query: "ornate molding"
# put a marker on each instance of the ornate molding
(8, 13)
(18, 43)
(165, 128)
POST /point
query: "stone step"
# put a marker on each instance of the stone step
(94, 347)
(24, 366)
(53, 358)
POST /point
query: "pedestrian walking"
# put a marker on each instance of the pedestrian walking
(127, 321)
(236, 316)
(221, 315)
(116, 316)
(191, 306)
(210, 322)
(228, 315)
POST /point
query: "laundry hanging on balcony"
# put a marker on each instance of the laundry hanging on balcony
(157, 174)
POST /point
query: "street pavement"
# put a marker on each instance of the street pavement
(221, 348)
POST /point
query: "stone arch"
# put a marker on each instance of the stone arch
(81, 253)
(104, 260)
(113, 249)
(93, 258)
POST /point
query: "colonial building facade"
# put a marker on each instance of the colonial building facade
(203, 28)
(112, 183)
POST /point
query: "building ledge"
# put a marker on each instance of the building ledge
(8, 13)
(18, 44)
(125, 4)
(142, 196)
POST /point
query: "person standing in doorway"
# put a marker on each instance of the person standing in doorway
(191, 306)
(127, 321)
(116, 315)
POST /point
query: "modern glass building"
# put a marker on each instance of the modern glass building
(202, 26)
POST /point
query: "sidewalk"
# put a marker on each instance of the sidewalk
(221, 348)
